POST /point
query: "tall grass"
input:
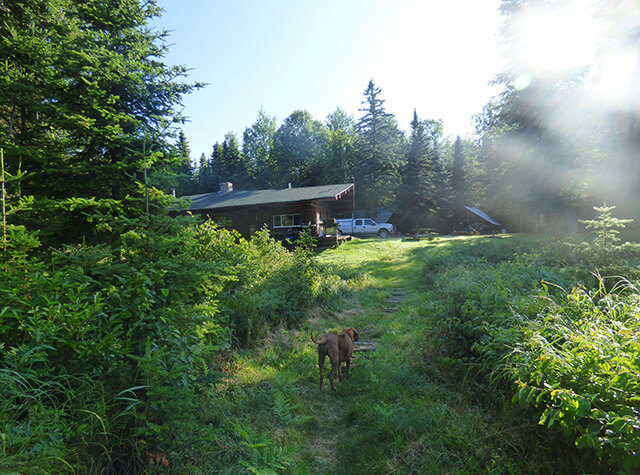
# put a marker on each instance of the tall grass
(571, 356)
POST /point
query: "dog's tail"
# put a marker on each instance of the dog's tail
(322, 340)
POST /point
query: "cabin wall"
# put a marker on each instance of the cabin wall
(248, 220)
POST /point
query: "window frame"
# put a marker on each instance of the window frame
(293, 216)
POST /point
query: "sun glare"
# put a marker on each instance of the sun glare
(613, 79)
(558, 39)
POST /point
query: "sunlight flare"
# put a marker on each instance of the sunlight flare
(559, 39)
(614, 78)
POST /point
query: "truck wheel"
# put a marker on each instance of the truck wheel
(383, 233)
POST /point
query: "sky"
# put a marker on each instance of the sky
(435, 56)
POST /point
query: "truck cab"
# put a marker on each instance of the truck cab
(363, 226)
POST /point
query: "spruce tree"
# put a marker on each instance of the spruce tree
(378, 153)
(459, 184)
(204, 178)
(86, 105)
(185, 175)
(418, 196)
(229, 164)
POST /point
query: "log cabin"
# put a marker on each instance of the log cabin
(284, 211)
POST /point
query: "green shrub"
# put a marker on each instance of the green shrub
(472, 300)
(578, 363)
(106, 349)
(273, 288)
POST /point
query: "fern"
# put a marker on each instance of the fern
(265, 457)
(284, 409)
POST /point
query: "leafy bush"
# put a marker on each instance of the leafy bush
(106, 348)
(578, 362)
(472, 300)
(273, 286)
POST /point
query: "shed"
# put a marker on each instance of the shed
(475, 221)
(284, 211)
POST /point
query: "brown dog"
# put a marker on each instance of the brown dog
(339, 348)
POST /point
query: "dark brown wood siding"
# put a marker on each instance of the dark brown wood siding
(248, 219)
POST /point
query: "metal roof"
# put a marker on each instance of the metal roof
(483, 215)
(259, 197)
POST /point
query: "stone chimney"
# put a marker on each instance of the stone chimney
(226, 186)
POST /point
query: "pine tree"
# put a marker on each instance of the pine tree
(378, 155)
(459, 184)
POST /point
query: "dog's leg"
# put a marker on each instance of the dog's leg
(321, 365)
(335, 367)
(348, 366)
(332, 377)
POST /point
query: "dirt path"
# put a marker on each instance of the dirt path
(326, 435)
(330, 410)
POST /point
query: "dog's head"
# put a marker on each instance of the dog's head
(353, 333)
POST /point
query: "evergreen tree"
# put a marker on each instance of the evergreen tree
(85, 104)
(185, 174)
(229, 164)
(493, 190)
(378, 153)
(205, 179)
(459, 183)
(417, 196)
(549, 142)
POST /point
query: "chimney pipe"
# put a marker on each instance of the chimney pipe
(226, 186)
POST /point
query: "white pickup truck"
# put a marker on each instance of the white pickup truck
(360, 226)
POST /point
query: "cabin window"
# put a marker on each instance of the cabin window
(286, 220)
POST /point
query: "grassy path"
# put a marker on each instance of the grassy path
(385, 273)
(400, 412)
(330, 409)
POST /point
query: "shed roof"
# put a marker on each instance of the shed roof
(231, 199)
(478, 212)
